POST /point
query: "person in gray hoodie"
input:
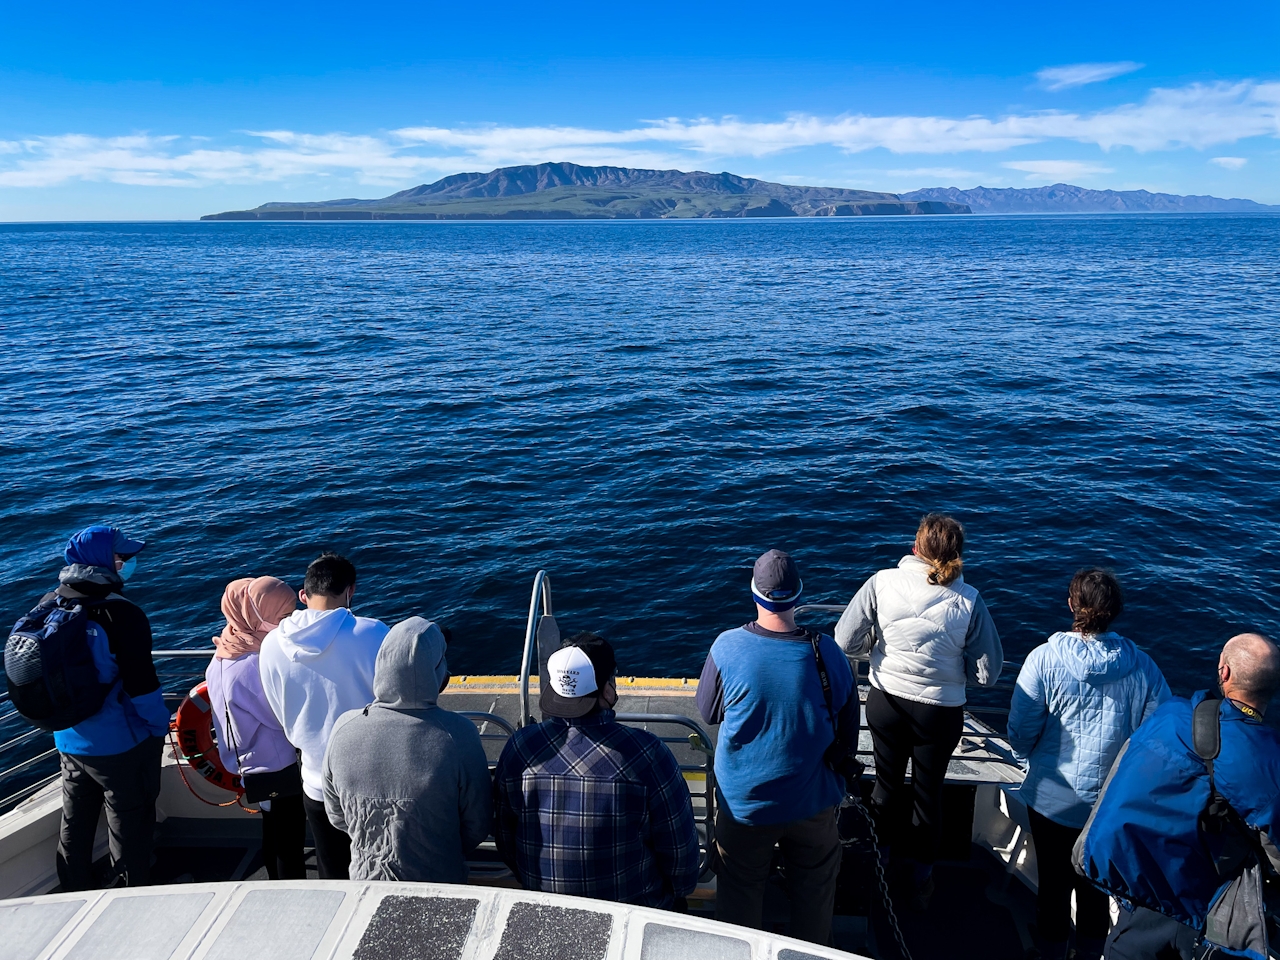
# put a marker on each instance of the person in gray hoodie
(406, 779)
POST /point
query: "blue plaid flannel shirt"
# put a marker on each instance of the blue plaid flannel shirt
(593, 808)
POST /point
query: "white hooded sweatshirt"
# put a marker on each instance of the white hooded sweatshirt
(315, 666)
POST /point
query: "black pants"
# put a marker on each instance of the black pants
(927, 735)
(1057, 879)
(284, 834)
(333, 847)
(128, 784)
(1147, 935)
(811, 856)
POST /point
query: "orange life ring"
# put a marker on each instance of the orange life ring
(194, 725)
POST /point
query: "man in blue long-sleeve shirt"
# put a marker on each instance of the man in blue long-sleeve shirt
(761, 684)
(587, 806)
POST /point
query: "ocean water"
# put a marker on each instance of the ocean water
(643, 408)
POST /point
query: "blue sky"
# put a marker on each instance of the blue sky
(171, 111)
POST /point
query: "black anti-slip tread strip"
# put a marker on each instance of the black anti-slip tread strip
(538, 932)
(417, 928)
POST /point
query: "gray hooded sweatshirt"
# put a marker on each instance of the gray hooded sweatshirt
(407, 780)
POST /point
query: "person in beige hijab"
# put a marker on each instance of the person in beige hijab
(251, 741)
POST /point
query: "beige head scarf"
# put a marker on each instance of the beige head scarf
(253, 608)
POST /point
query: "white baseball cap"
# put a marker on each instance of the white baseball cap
(574, 677)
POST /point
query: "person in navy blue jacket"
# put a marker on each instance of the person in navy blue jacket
(774, 788)
(113, 757)
(1142, 842)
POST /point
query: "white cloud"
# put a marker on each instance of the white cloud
(163, 161)
(1229, 163)
(1197, 116)
(1078, 74)
(1056, 169)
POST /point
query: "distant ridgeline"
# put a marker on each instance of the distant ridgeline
(1064, 198)
(566, 191)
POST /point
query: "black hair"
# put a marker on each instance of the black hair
(599, 650)
(329, 575)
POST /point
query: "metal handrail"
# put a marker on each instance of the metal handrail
(832, 608)
(479, 716)
(828, 607)
(29, 763)
(34, 735)
(22, 738)
(26, 792)
(541, 595)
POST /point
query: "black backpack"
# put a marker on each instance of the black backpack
(49, 666)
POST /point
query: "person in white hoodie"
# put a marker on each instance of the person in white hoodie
(315, 666)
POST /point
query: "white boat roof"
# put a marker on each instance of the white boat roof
(337, 920)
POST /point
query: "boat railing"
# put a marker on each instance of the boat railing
(539, 607)
(37, 770)
(482, 719)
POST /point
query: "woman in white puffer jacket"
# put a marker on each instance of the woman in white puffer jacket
(1078, 699)
(929, 635)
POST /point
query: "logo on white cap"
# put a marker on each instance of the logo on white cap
(572, 673)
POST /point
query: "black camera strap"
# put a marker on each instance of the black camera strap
(825, 680)
(1234, 842)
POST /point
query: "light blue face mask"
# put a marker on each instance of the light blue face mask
(130, 565)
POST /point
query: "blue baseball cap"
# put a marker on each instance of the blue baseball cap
(98, 545)
(775, 581)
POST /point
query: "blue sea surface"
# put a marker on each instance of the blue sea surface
(643, 408)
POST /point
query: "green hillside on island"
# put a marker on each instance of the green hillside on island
(566, 191)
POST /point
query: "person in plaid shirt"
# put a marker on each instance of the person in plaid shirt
(587, 806)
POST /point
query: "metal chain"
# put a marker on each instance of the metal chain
(852, 801)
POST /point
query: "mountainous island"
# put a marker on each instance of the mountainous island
(1065, 198)
(566, 191)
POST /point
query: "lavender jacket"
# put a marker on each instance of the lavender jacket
(257, 743)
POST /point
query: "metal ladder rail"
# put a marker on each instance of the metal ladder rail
(540, 600)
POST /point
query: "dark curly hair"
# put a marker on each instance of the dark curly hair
(1096, 600)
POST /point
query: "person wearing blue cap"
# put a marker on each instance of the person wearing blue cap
(113, 757)
(787, 707)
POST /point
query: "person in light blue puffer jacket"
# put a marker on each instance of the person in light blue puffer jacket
(1079, 697)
